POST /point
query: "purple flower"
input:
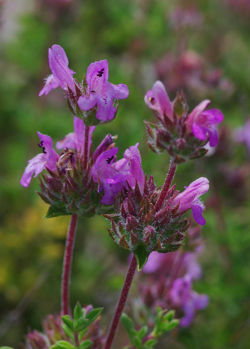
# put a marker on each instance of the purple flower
(182, 296)
(131, 166)
(112, 175)
(61, 75)
(101, 93)
(155, 260)
(76, 139)
(189, 198)
(242, 135)
(202, 123)
(47, 159)
(157, 99)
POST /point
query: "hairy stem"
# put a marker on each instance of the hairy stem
(166, 186)
(67, 261)
(121, 303)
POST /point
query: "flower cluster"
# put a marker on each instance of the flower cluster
(94, 100)
(78, 180)
(152, 219)
(170, 278)
(184, 135)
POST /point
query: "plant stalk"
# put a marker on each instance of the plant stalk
(121, 303)
(67, 262)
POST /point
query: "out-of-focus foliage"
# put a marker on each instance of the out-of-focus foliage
(207, 58)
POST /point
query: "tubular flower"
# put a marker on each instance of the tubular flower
(203, 122)
(182, 296)
(112, 176)
(47, 159)
(157, 99)
(100, 93)
(189, 198)
(61, 75)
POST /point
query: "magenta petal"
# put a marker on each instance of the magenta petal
(213, 137)
(105, 109)
(197, 214)
(157, 99)
(199, 132)
(68, 141)
(201, 301)
(60, 54)
(51, 154)
(103, 146)
(199, 109)
(34, 167)
(136, 172)
(50, 84)
(120, 91)
(59, 67)
(215, 114)
(97, 74)
(87, 102)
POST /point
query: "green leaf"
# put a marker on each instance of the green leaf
(86, 344)
(68, 332)
(143, 331)
(63, 345)
(171, 325)
(55, 211)
(141, 256)
(6, 348)
(81, 324)
(128, 324)
(170, 315)
(150, 344)
(68, 322)
(78, 312)
(93, 314)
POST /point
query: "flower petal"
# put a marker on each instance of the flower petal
(50, 84)
(157, 99)
(120, 91)
(59, 67)
(97, 75)
(197, 211)
(87, 102)
(34, 167)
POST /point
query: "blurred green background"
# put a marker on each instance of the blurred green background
(199, 46)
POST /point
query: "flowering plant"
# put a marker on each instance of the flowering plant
(150, 221)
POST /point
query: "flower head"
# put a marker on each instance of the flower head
(183, 135)
(202, 123)
(100, 93)
(47, 159)
(189, 198)
(61, 75)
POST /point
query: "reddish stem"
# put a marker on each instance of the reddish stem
(86, 147)
(167, 184)
(68, 254)
(121, 303)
